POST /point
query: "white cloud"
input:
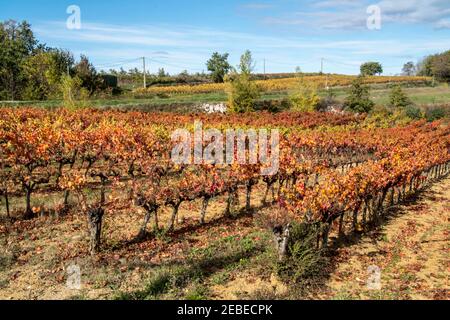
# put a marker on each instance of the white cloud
(415, 11)
(200, 39)
(336, 3)
(177, 47)
(351, 14)
(443, 24)
(257, 6)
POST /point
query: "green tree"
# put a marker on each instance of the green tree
(43, 71)
(90, 80)
(398, 99)
(17, 43)
(243, 92)
(409, 69)
(437, 65)
(371, 68)
(218, 66)
(359, 97)
(162, 73)
(304, 98)
(424, 66)
(440, 67)
(246, 65)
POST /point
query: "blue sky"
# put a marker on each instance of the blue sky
(182, 34)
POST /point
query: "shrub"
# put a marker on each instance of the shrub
(382, 117)
(380, 110)
(434, 114)
(413, 112)
(305, 97)
(272, 105)
(74, 96)
(242, 93)
(398, 99)
(329, 101)
(359, 97)
(304, 260)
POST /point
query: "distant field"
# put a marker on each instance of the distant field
(274, 85)
(421, 95)
(425, 95)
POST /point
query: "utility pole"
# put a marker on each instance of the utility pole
(264, 69)
(321, 65)
(145, 75)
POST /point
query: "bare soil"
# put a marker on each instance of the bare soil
(411, 250)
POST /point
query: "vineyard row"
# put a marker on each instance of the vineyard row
(71, 151)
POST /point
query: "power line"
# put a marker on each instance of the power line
(264, 68)
(173, 65)
(265, 61)
(129, 61)
(116, 63)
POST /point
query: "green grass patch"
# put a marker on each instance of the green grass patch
(200, 264)
(183, 103)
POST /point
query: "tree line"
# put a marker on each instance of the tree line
(435, 65)
(30, 70)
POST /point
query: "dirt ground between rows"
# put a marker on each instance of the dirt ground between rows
(411, 250)
(35, 255)
(407, 257)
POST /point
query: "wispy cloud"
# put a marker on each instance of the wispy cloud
(257, 6)
(415, 11)
(200, 39)
(352, 14)
(179, 47)
(336, 3)
(443, 24)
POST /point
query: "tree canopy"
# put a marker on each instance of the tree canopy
(437, 65)
(30, 70)
(409, 69)
(18, 43)
(243, 92)
(371, 69)
(218, 66)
